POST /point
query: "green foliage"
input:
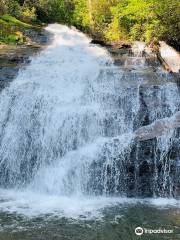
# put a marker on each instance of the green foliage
(101, 16)
(80, 16)
(168, 13)
(9, 39)
(54, 10)
(12, 21)
(109, 20)
(144, 20)
(28, 14)
(11, 30)
(14, 8)
(3, 7)
(133, 18)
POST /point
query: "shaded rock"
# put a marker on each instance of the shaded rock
(100, 42)
(127, 46)
(12, 58)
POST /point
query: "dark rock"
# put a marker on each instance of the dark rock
(99, 42)
(127, 46)
(13, 58)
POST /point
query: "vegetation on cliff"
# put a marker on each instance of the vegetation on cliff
(11, 31)
(107, 20)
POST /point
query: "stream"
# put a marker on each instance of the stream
(89, 144)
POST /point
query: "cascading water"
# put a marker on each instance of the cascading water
(68, 122)
(59, 113)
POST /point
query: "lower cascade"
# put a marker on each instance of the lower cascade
(75, 123)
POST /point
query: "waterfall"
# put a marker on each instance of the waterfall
(68, 122)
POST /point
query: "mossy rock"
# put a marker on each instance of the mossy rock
(12, 21)
(11, 30)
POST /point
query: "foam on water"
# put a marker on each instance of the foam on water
(30, 204)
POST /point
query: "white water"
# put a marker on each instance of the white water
(54, 114)
(62, 129)
(57, 111)
(30, 204)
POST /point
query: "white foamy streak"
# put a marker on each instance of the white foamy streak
(71, 174)
(31, 205)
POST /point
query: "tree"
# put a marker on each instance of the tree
(109, 20)
(168, 13)
(3, 7)
(81, 17)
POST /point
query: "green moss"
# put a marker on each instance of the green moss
(11, 30)
(12, 21)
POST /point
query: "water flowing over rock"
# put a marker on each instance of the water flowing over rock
(73, 122)
(170, 56)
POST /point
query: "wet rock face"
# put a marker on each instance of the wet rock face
(156, 172)
(12, 58)
(152, 168)
(144, 170)
(41, 36)
(141, 127)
